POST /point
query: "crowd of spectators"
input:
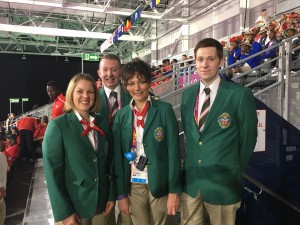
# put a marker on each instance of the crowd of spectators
(172, 69)
(20, 139)
(266, 33)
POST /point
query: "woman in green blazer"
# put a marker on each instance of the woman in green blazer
(146, 146)
(78, 158)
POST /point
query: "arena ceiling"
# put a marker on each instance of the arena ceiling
(71, 27)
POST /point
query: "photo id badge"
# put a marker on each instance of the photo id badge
(138, 176)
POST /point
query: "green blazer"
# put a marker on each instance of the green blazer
(125, 100)
(162, 153)
(216, 158)
(77, 175)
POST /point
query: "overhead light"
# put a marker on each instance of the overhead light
(66, 59)
(24, 57)
(55, 53)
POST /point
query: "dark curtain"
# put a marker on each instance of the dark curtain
(27, 78)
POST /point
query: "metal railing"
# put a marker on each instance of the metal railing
(270, 84)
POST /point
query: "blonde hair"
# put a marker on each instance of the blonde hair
(69, 106)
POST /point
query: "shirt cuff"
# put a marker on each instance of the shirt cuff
(120, 197)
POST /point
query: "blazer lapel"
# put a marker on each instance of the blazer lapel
(104, 107)
(190, 106)
(150, 115)
(192, 102)
(218, 103)
(125, 97)
(77, 129)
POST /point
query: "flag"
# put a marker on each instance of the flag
(115, 36)
(105, 45)
(127, 23)
(25, 99)
(136, 16)
(120, 30)
(154, 3)
(14, 100)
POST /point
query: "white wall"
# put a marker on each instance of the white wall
(209, 23)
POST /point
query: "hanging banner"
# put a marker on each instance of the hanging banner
(124, 27)
(120, 30)
(136, 16)
(127, 23)
(106, 44)
(154, 3)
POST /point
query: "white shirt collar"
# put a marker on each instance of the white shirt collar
(213, 86)
(91, 119)
(132, 105)
(117, 89)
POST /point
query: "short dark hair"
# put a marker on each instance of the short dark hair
(112, 57)
(264, 10)
(12, 137)
(137, 66)
(53, 83)
(45, 119)
(210, 42)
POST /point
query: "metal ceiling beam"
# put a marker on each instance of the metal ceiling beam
(64, 32)
(72, 8)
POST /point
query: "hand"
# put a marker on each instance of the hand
(109, 207)
(71, 220)
(124, 206)
(172, 204)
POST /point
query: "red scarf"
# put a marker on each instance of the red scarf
(141, 115)
(89, 127)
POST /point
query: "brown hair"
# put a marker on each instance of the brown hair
(210, 42)
(112, 57)
(69, 106)
(136, 66)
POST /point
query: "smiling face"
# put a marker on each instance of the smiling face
(207, 64)
(138, 88)
(110, 72)
(83, 97)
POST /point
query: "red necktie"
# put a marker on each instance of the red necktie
(89, 127)
(141, 115)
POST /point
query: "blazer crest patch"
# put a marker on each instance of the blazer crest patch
(224, 120)
(159, 134)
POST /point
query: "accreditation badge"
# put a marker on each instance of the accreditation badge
(137, 176)
(224, 120)
(159, 134)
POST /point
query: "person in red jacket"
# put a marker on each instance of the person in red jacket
(14, 130)
(13, 150)
(38, 135)
(27, 126)
(57, 97)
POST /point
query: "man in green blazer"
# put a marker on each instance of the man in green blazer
(220, 127)
(110, 70)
